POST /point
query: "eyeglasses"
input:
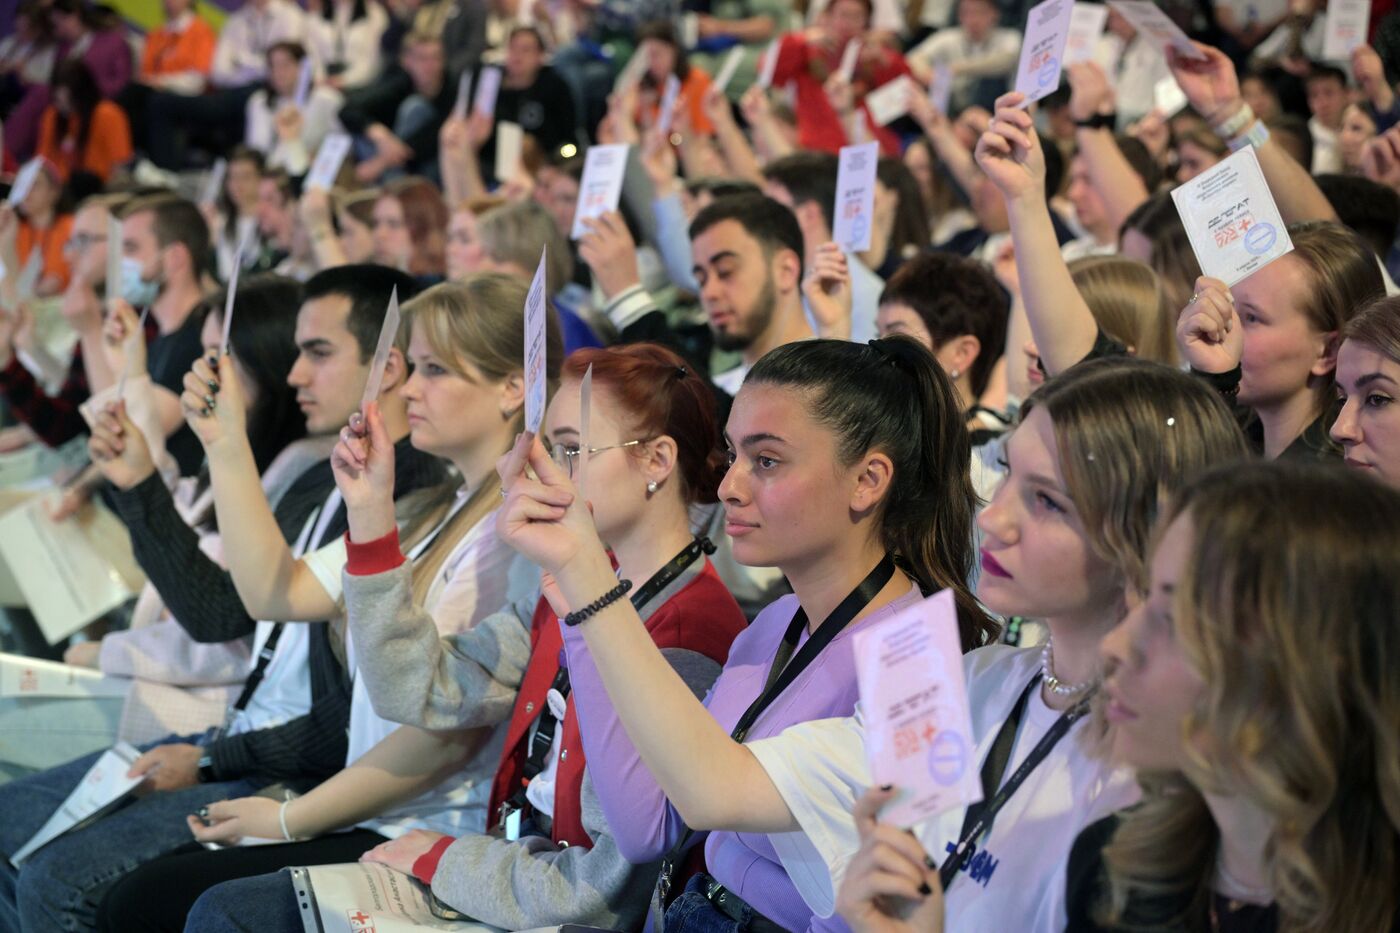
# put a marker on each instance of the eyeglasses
(567, 455)
(81, 241)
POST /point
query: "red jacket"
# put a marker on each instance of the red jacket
(701, 617)
(808, 66)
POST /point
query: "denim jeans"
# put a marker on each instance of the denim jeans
(59, 887)
(692, 912)
(261, 904)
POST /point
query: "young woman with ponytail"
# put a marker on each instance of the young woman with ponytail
(848, 471)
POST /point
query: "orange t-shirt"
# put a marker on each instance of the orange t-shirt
(693, 90)
(108, 144)
(50, 242)
(169, 52)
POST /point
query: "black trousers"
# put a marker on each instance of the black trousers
(158, 895)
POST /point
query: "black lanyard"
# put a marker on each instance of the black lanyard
(782, 673)
(543, 739)
(978, 820)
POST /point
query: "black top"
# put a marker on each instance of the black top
(169, 357)
(1086, 888)
(203, 599)
(544, 110)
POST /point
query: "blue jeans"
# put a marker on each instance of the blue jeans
(60, 886)
(692, 912)
(261, 904)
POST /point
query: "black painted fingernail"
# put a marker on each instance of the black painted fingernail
(925, 890)
(213, 359)
(886, 787)
(930, 863)
(213, 386)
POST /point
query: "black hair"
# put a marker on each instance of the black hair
(910, 232)
(1141, 161)
(1054, 170)
(664, 30)
(226, 206)
(1295, 129)
(1321, 71)
(770, 223)
(721, 187)
(1370, 209)
(293, 48)
(367, 287)
(807, 176)
(891, 395)
(262, 338)
(83, 94)
(360, 11)
(953, 296)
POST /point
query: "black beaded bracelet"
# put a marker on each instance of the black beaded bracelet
(599, 604)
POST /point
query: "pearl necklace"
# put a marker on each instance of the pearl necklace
(1053, 683)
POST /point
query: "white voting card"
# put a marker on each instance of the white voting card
(666, 115)
(890, 101)
(510, 141)
(488, 88)
(1231, 218)
(1348, 22)
(940, 88)
(104, 786)
(214, 183)
(855, 196)
(536, 312)
(770, 65)
(1168, 98)
(329, 158)
(730, 66)
(1158, 28)
(1043, 48)
(22, 676)
(1085, 27)
(600, 189)
(913, 704)
(24, 180)
(849, 57)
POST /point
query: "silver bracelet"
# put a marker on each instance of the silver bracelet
(282, 818)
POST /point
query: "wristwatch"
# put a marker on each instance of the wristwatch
(206, 769)
(1099, 121)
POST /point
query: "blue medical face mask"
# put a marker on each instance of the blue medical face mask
(136, 291)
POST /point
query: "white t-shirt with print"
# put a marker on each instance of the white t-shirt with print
(1017, 879)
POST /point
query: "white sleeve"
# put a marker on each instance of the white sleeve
(819, 769)
(326, 564)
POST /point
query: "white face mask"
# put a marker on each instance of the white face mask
(136, 291)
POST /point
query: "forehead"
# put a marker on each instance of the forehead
(761, 408)
(138, 225)
(727, 236)
(1357, 359)
(1032, 446)
(91, 219)
(323, 318)
(1173, 549)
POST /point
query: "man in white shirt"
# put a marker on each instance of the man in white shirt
(1134, 65)
(980, 54)
(240, 64)
(1327, 102)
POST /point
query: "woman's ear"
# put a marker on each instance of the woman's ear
(872, 482)
(1326, 362)
(512, 394)
(395, 371)
(662, 459)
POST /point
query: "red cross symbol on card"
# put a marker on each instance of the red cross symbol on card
(359, 920)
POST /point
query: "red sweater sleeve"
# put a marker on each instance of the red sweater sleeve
(371, 557)
(426, 865)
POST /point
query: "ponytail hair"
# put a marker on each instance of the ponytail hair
(891, 395)
(660, 394)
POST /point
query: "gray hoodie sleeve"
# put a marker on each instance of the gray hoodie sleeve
(532, 883)
(419, 678)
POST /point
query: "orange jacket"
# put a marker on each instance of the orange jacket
(50, 243)
(108, 143)
(169, 52)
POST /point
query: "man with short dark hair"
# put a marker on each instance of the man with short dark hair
(292, 727)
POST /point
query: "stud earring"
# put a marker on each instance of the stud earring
(651, 486)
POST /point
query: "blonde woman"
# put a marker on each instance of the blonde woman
(465, 402)
(1368, 384)
(1255, 690)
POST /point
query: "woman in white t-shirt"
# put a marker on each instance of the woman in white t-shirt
(1063, 541)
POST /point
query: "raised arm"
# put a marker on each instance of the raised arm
(1009, 152)
(1213, 89)
(733, 144)
(1121, 188)
(711, 780)
(272, 583)
(946, 145)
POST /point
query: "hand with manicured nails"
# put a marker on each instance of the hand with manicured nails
(1009, 152)
(1210, 84)
(232, 821)
(119, 448)
(891, 885)
(827, 288)
(363, 464)
(402, 852)
(213, 403)
(1208, 329)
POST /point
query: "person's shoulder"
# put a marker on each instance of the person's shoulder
(1000, 664)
